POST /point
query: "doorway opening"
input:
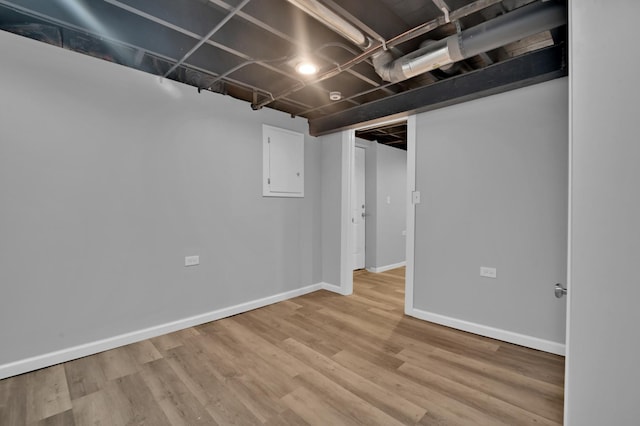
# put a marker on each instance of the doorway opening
(380, 235)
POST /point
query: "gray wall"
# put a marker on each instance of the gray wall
(493, 179)
(331, 171)
(391, 218)
(604, 349)
(108, 178)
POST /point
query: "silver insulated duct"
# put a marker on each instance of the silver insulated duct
(508, 28)
(525, 21)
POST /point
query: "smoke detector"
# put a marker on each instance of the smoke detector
(335, 96)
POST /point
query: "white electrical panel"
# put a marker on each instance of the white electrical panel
(282, 162)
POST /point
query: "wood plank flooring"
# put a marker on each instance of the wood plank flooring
(319, 359)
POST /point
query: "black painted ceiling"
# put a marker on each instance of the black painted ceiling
(394, 135)
(251, 55)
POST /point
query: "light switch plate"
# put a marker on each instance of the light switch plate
(488, 272)
(416, 197)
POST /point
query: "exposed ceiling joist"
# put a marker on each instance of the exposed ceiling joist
(531, 68)
(252, 52)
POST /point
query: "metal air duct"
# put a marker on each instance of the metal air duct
(513, 26)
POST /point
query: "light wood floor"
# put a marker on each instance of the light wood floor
(318, 359)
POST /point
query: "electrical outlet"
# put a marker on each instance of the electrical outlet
(485, 271)
(191, 260)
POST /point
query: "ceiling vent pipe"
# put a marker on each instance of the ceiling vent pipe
(332, 20)
(508, 28)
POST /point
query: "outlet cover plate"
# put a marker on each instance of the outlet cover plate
(488, 272)
(191, 260)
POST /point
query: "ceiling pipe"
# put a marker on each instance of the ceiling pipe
(334, 21)
(508, 28)
(417, 31)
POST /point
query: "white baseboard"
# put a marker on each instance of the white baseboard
(494, 333)
(64, 355)
(387, 267)
(334, 288)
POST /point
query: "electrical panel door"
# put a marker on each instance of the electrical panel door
(283, 162)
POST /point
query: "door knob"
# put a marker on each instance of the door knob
(560, 291)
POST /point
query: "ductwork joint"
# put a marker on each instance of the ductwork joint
(518, 24)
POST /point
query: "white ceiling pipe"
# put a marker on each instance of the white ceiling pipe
(513, 26)
(333, 21)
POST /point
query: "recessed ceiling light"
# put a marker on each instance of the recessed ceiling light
(306, 68)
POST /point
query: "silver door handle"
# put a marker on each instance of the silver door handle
(560, 291)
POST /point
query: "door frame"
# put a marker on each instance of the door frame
(364, 229)
(348, 140)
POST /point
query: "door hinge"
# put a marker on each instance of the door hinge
(269, 181)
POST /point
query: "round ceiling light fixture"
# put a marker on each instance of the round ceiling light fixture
(335, 96)
(306, 68)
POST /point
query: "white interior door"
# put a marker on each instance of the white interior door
(358, 209)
